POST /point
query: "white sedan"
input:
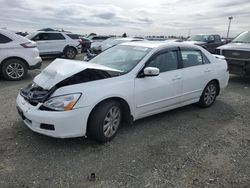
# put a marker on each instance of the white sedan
(124, 83)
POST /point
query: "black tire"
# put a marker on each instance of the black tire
(14, 69)
(98, 121)
(70, 53)
(209, 94)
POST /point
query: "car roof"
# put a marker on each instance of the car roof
(126, 39)
(156, 44)
(12, 35)
(63, 32)
(204, 34)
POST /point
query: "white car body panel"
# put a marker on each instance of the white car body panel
(14, 49)
(154, 93)
(47, 47)
(144, 96)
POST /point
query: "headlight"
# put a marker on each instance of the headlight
(62, 103)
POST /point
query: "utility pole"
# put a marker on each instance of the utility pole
(230, 19)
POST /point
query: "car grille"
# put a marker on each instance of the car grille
(237, 54)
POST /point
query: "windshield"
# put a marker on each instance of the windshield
(121, 57)
(243, 38)
(202, 38)
(108, 40)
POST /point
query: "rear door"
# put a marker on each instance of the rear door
(154, 94)
(50, 43)
(197, 72)
(57, 42)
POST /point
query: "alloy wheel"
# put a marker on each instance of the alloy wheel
(112, 121)
(71, 53)
(210, 94)
(15, 70)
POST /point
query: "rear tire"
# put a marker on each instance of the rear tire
(14, 69)
(70, 53)
(105, 121)
(209, 94)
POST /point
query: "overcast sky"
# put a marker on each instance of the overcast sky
(135, 17)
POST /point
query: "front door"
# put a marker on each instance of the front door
(154, 94)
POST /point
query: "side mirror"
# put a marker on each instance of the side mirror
(151, 71)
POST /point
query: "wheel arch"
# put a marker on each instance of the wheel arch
(128, 117)
(218, 84)
(69, 46)
(13, 57)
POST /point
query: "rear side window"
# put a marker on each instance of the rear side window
(73, 36)
(191, 58)
(166, 61)
(55, 36)
(4, 39)
(48, 36)
(205, 59)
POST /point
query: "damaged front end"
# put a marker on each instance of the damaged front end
(35, 94)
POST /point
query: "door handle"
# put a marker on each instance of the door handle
(176, 78)
(207, 70)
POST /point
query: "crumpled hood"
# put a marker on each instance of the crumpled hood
(195, 42)
(236, 46)
(61, 69)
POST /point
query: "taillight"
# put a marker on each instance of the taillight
(28, 45)
(81, 41)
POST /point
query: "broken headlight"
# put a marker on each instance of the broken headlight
(63, 102)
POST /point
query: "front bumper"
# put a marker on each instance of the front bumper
(238, 66)
(66, 124)
(38, 65)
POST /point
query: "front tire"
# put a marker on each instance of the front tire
(209, 94)
(105, 121)
(70, 53)
(14, 69)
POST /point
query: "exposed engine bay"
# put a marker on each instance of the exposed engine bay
(35, 94)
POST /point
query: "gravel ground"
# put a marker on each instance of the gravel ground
(186, 147)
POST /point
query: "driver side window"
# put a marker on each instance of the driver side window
(166, 61)
(41, 36)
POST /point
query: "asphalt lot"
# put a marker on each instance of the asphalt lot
(186, 147)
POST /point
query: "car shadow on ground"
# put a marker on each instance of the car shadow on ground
(240, 79)
(190, 116)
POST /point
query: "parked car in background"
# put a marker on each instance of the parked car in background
(96, 41)
(85, 42)
(56, 43)
(237, 54)
(115, 41)
(124, 83)
(108, 43)
(17, 55)
(209, 42)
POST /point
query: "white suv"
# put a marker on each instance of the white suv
(17, 55)
(56, 43)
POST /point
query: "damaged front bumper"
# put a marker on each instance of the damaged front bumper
(65, 124)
